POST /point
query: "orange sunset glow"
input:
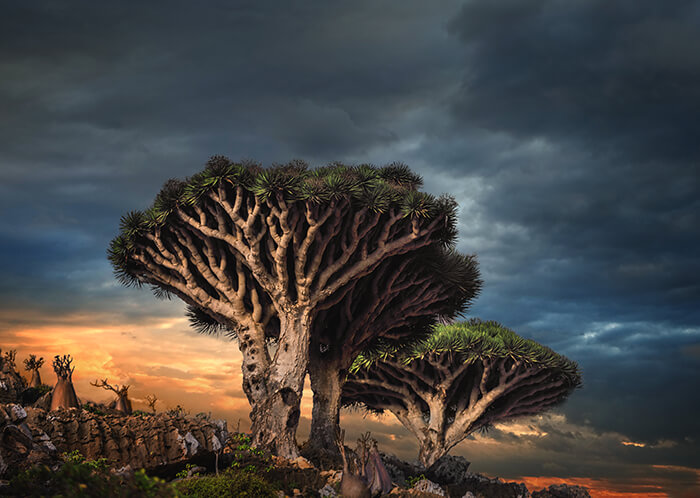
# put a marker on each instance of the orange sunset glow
(163, 356)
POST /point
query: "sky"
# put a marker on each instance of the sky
(567, 130)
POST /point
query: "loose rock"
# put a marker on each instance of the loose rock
(427, 486)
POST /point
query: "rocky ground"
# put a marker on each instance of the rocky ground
(166, 443)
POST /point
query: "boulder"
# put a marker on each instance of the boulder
(22, 446)
(399, 470)
(485, 487)
(328, 491)
(427, 486)
(449, 469)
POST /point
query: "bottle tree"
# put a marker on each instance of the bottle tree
(259, 251)
(392, 305)
(63, 394)
(462, 378)
(33, 364)
(122, 404)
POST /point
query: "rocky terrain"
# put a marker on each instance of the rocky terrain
(166, 443)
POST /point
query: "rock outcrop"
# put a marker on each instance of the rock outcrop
(22, 446)
(486, 487)
(428, 487)
(400, 471)
(139, 441)
(12, 384)
(449, 469)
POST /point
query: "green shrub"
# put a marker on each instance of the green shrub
(78, 477)
(411, 481)
(183, 473)
(229, 483)
(93, 409)
(77, 458)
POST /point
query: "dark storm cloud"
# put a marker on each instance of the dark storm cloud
(233, 69)
(590, 190)
(622, 75)
(102, 105)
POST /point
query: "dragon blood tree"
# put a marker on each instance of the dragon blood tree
(463, 377)
(32, 364)
(63, 395)
(122, 403)
(258, 251)
(394, 304)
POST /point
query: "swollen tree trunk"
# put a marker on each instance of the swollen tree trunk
(123, 405)
(63, 395)
(275, 419)
(327, 380)
(36, 379)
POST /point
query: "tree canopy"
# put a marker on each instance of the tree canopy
(463, 377)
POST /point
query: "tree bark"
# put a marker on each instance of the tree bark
(36, 379)
(432, 447)
(327, 379)
(63, 395)
(275, 419)
(255, 369)
(123, 405)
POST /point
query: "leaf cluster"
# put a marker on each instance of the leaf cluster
(377, 189)
(33, 363)
(470, 341)
(457, 272)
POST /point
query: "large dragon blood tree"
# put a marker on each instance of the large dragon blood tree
(463, 377)
(259, 251)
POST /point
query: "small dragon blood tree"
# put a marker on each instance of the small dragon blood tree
(261, 251)
(63, 395)
(122, 404)
(395, 303)
(33, 364)
(463, 377)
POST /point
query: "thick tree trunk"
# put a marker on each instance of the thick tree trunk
(123, 405)
(63, 395)
(432, 447)
(432, 438)
(36, 379)
(255, 368)
(327, 384)
(275, 420)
